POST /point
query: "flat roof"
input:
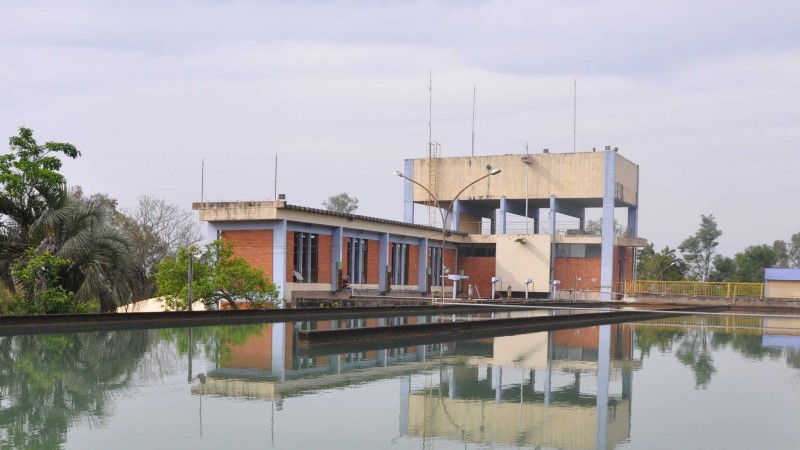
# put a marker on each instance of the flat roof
(780, 274)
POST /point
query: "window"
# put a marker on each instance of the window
(306, 257)
(399, 263)
(476, 250)
(357, 260)
(577, 250)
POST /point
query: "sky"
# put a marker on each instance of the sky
(703, 95)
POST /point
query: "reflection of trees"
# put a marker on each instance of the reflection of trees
(213, 340)
(694, 352)
(694, 346)
(49, 382)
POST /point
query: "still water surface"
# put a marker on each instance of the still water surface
(688, 382)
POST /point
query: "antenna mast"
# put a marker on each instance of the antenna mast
(474, 94)
(574, 113)
(275, 191)
(202, 178)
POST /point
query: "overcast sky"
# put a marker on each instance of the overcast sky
(703, 96)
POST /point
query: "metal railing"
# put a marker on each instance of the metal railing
(572, 228)
(692, 288)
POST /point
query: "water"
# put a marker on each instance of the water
(687, 382)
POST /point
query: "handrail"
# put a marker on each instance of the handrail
(693, 288)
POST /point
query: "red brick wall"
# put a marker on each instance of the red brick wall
(450, 260)
(480, 270)
(413, 264)
(566, 269)
(325, 253)
(255, 246)
(626, 254)
(372, 261)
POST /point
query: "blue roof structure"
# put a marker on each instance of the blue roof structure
(775, 274)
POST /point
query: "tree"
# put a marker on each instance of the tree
(794, 251)
(39, 275)
(341, 203)
(751, 262)
(698, 250)
(781, 249)
(664, 265)
(219, 276)
(158, 230)
(30, 185)
(724, 269)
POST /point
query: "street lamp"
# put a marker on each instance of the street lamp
(575, 287)
(443, 212)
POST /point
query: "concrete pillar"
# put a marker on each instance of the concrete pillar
(535, 216)
(337, 240)
(451, 382)
(422, 280)
(553, 234)
(280, 249)
(383, 263)
(497, 382)
(603, 368)
(335, 364)
(456, 214)
(408, 192)
(500, 215)
(607, 242)
(211, 232)
(405, 393)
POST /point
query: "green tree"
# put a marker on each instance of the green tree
(794, 250)
(341, 203)
(781, 249)
(218, 276)
(724, 269)
(39, 277)
(750, 263)
(30, 185)
(664, 265)
(84, 232)
(698, 250)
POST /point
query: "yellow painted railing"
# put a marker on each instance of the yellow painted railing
(693, 288)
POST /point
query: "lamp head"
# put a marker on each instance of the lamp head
(399, 174)
(495, 171)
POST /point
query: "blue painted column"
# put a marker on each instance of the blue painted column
(211, 233)
(279, 252)
(408, 192)
(337, 240)
(456, 214)
(553, 234)
(603, 368)
(500, 214)
(607, 243)
(535, 216)
(422, 272)
(383, 262)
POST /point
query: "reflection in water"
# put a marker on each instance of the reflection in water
(566, 389)
(49, 383)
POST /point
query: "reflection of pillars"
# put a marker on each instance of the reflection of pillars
(627, 380)
(421, 353)
(497, 382)
(451, 382)
(335, 364)
(578, 382)
(405, 393)
(548, 374)
(278, 349)
(603, 367)
(382, 359)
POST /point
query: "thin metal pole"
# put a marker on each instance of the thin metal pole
(275, 189)
(191, 276)
(474, 94)
(574, 113)
(202, 178)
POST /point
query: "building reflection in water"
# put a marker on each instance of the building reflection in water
(567, 389)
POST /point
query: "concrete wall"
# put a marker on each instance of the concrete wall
(565, 175)
(783, 289)
(518, 261)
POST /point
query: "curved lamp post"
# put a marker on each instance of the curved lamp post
(443, 212)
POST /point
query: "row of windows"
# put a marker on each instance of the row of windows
(578, 250)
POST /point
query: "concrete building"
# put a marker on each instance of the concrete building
(782, 283)
(504, 233)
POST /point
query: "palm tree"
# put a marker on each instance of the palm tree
(102, 265)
